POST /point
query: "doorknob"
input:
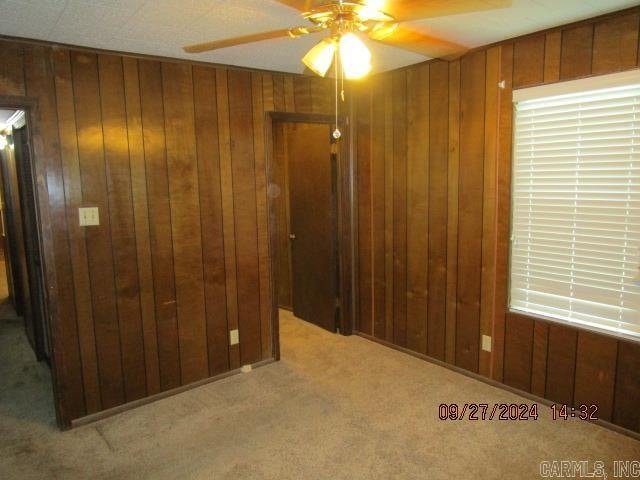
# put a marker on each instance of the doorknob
(292, 236)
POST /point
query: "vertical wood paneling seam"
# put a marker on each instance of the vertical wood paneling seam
(593, 38)
(450, 271)
(86, 257)
(108, 216)
(135, 233)
(224, 243)
(170, 230)
(405, 171)
(371, 217)
(562, 32)
(197, 169)
(496, 209)
(482, 258)
(614, 380)
(66, 236)
(255, 188)
(637, 52)
(575, 368)
(546, 365)
(108, 222)
(233, 221)
(146, 181)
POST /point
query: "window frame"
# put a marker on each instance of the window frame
(618, 79)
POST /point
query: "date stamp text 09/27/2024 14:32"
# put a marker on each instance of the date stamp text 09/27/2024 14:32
(513, 411)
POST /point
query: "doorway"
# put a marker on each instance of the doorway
(309, 177)
(25, 344)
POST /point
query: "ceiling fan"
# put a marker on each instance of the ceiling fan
(348, 20)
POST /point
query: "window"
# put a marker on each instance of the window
(575, 245)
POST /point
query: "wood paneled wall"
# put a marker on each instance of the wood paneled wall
(173, 154)
(434, 172)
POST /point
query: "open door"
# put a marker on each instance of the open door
(313, 223)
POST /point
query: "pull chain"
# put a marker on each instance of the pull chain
(337, 133)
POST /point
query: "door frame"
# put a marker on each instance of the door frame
(44, 240)
(345, 218)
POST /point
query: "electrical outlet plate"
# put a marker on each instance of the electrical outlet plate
(234, 337)
(89, 216)
(486, 343)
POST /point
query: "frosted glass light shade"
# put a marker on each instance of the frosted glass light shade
(355, 56)
(320, 57)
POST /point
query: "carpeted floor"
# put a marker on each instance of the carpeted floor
(334, 407)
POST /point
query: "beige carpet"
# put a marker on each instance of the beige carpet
(334, 407)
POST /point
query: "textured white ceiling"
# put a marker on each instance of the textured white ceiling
(162, 27)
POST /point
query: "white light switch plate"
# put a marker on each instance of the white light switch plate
(234, 337)
(89, 216)
(486, 343)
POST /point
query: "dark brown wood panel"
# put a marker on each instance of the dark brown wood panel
(141, 219)
(378, 206)
(77, 246)
(595, 372)
(438, 208)
(453, 181)
(160, 223)
(364, 141)
(123, 238)
(182, 171)
(625, 409)
(518, 341)
(281, 206)
(84, 67)
(489, 204)
(417, 205)
(40, 84)
(206, 129)
(577, 52)
(539, 358)
(503, 194)
(615, 44)
(244, 194)
(399, 231)
(561, 364)
(389, 208)
(472, 111)
(257, 89)
(528, 61)
(302, 94)
(11, 68)
(228, 221)
(552, 47)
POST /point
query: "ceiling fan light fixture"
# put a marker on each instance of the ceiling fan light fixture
(354, 56)
(320, 57)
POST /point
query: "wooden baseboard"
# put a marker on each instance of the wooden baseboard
(79, 422)
(494, 383)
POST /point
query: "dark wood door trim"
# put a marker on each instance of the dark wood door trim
(346, 216)
(44, 240)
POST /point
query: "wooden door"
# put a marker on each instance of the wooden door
(312, 207)
(32, 258)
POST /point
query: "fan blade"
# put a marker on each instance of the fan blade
(403, 37)
(254, 37)
(404, 10)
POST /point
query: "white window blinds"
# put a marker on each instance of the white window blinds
(575, 249)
